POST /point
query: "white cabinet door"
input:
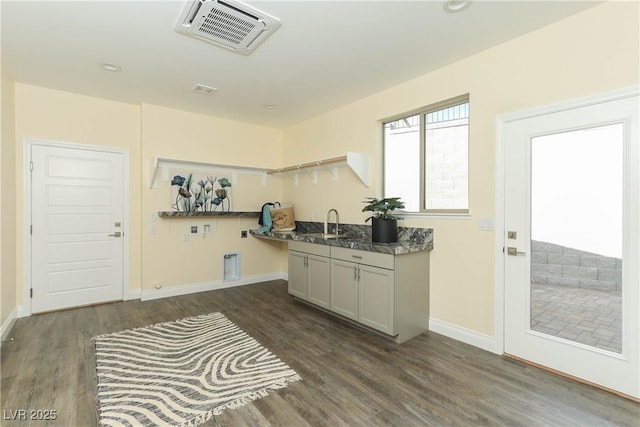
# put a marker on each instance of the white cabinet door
(344, 288)
(319, 276)
(377, 298)
(298, 281)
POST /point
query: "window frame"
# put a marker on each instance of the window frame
(421, 113)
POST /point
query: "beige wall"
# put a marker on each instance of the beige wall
(167, 258)
(7, 206)
(145, 132)
(588, 53)
(52, 115)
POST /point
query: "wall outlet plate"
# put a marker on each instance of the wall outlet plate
(243, 234)
(206, 228)
(485, 223)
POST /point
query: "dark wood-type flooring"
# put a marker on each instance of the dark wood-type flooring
(350, 377)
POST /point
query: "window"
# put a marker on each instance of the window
(426, 158)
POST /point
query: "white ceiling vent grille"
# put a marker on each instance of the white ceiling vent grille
(227, 23)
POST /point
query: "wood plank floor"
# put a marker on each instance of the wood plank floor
(350, 377)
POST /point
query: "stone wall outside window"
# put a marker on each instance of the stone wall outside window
(557, 265)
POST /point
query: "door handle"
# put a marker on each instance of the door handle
(511, 251)
(116, 234)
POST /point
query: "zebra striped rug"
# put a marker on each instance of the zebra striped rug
(182, 373)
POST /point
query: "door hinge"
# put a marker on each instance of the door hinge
(31, 293)
(31, 166)
(31, 229)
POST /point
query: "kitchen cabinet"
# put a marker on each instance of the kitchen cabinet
(298, 273)
(382, 292)
(371, 283)
(309, 273)
(376, 298)
(344, 288)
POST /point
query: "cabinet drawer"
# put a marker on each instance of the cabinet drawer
(363, 257)
(310, 248)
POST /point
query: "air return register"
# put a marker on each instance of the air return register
(227, 23)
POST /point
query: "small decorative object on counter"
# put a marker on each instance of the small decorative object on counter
(384, 226)
(201, 195)
(283, 217)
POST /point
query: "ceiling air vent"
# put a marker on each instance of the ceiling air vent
(227, 23)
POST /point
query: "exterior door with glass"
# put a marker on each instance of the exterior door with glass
(571, 237)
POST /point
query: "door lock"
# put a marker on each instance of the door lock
(513, 251)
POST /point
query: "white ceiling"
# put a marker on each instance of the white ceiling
(325, 54)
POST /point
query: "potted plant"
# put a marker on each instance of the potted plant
(384, 226)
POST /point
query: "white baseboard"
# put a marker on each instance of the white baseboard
(132, 294)
(459, 333)
(191, 288)
(5, 329)
(22, 311)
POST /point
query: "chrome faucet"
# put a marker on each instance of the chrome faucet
(326, 221)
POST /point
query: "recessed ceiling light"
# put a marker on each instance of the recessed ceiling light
(204, 89)
(108, 66)
(453, 6)
(269, 106)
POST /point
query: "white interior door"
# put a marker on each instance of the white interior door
(571, 238)
(77, 230)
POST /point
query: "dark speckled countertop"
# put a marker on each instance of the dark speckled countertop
(359, 237)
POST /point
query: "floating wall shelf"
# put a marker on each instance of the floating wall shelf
(163, 164)
(235, 214)
(357, 162)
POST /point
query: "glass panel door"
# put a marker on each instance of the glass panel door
(576, 236)
(572, 239)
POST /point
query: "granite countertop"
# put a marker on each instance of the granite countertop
(409, 239)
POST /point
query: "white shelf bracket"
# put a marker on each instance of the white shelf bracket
(334, 174)
(359, 164)
(154, 177)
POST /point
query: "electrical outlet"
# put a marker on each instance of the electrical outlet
(194, 229)
(206, 229)
(243, 234)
